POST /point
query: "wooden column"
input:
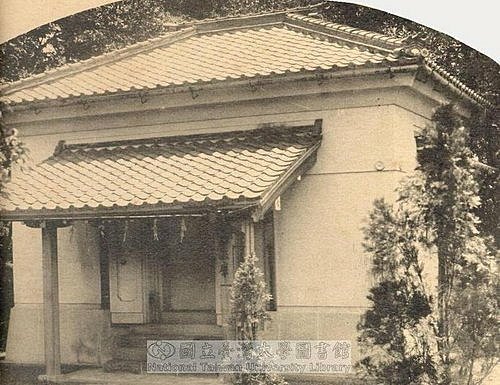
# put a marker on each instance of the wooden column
(249, 231)
(217, 249)
(50, 299)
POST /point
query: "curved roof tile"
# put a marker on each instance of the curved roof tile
(168, 171)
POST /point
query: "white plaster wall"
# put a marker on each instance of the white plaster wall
(84, 326)
(84, 331)
(321, 260)
(78, 252)
(79, 271)
(27, 256)
(320, 224)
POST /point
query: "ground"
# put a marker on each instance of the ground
(19, 374)
(13, 374)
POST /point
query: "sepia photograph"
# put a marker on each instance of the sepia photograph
(246, 192)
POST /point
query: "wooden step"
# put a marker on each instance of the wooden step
(189, 317)
(126, 354)
(141, 340)
(124, 365)
(170, 330)
(137, 336)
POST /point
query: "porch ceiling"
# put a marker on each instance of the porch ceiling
(162, 175)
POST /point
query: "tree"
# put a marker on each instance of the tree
(32, 53)
(249, 301)
(484, 140)
(12, 151)
(443, 335)
(397, 332)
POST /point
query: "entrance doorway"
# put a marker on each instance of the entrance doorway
(163, 271)
(188, 273)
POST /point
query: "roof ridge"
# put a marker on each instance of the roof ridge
(360, 36)
(313, 129)
(433, 67)
(282, 12)
(95, 61)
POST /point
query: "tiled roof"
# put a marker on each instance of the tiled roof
(237, 48)
(214, 52)
(224, 169)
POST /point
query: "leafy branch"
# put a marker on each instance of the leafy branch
(453, 339)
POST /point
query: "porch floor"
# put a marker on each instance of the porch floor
(90, 376)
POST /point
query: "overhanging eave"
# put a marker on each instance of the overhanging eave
(182, 175)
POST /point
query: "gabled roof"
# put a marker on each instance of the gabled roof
(214, 51)
(162, 175)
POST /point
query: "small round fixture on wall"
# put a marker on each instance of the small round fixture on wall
(379, 166)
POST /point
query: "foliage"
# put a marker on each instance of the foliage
(473, 68)
(484, 140)
(448, 333)
(11, 149)
(259, 379)
(84, 35)
(466, 263)
(249, 301)
(396, 329)
(32, 53)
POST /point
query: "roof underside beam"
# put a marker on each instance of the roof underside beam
(292, 175)
(124, 213)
